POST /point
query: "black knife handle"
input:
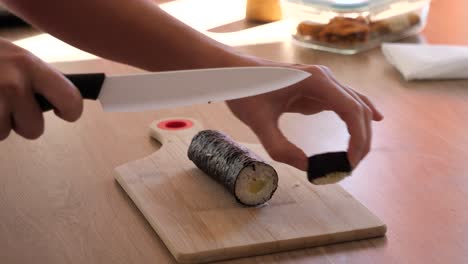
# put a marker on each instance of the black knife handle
(89, 85)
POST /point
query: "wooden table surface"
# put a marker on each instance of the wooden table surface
(59, 202)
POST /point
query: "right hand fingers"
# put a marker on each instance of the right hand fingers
(279, 147)
(358, 152)
(376, 114)
(357, 124)
(349, 108)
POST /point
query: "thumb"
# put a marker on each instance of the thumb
(280, 148)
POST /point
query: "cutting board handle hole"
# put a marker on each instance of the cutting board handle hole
(175, 124)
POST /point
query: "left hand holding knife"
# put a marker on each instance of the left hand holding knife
(23, 76)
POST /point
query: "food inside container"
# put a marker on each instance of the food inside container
(352, 26)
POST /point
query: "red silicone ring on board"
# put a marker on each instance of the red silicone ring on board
(175, 124)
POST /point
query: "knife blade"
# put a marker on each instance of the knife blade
(157, 90)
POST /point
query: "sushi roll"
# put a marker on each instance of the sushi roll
(251, 180)
(328, 168)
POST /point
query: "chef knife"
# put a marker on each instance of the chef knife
(152, 91)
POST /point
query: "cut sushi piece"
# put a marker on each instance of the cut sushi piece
(251, 180)
(328, 168)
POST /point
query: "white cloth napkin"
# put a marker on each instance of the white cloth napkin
(425, 62)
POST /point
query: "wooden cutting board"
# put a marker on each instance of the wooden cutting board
(200, 221)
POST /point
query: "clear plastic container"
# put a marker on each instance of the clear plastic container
(351, 26)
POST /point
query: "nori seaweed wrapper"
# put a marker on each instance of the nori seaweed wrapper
(325, 164)
(221, 158)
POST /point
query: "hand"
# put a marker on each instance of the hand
(319, 92)
(22, 76)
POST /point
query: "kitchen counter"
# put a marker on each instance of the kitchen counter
(59, 202)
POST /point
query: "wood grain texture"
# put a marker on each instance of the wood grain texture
(59, 202)
(200, 221)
